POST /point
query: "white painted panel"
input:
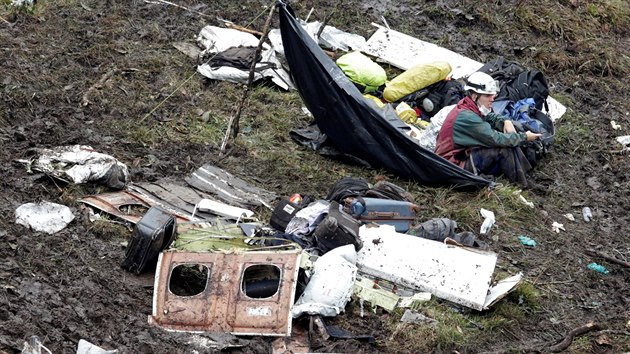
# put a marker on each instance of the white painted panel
(461, 275)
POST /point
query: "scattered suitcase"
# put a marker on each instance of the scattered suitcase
(153, 233)
(285, 210)
(282, 214)
(400, 214)
(337, 229)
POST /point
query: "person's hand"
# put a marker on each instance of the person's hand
(508, 127)
(532, 136)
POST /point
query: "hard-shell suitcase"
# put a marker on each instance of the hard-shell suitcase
(400, 214)
(153, 233)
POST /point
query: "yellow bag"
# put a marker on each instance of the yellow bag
(376, 100)
(361, 70)
(416, 78)
(406, 113)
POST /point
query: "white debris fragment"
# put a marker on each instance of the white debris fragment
(331, 285)
(44, 217)
(556, 226)
(86, 347)
(487, 222)
(569, 216)
(18, 3)
(411, 316)
(525, 201)
(614, 125)
(625, 141)
(80, 164)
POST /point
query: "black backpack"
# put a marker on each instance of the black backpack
(347, 187)
(358, 187)
(516, 82)
(441, 94)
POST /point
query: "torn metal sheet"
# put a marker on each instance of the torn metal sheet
(404, 51)
(217, 39)
(229, 188)
(79, 164)
(461, 275)
(214, 235)
(227, 299)
(331, 38)
(501, 289)
(128, 206)
(369, 291)
(131, 204)
(181, 199)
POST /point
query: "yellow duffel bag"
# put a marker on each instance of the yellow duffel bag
(416, 78)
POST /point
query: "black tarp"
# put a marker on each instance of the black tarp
(355, 126)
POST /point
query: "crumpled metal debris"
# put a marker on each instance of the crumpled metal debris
(79, 164)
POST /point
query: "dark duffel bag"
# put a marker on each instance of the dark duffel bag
(153, 233)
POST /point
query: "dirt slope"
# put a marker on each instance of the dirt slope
(106, 74)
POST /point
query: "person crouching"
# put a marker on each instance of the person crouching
(480, 141)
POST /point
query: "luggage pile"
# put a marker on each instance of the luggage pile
(420, 92)
(322, 225)
(417, 94)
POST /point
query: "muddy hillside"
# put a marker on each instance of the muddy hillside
(121, 77)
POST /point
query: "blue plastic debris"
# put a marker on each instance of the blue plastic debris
(598, 268)
(527, 241)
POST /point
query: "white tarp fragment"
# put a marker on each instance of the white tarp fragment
(404, 51)
(80, 164)
(44, 217)
(411, 316)
(86, 347)
(216, 39)
(625, 141)
(461, 275)
(488, 220)
(330, 287)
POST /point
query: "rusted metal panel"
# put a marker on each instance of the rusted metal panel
(224, 306)
(129, 206)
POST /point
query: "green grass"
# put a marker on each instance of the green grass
(456, 329)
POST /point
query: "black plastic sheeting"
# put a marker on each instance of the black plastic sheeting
(353, 124)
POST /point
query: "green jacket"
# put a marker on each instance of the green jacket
(464, 128)
(472, 130)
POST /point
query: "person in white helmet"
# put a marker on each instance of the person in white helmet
(480, 141)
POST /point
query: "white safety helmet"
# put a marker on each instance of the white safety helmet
(482, 83)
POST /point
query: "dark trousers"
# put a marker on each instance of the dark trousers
(496, 161)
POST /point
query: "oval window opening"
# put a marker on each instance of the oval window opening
(188, 279)
(261, 281)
